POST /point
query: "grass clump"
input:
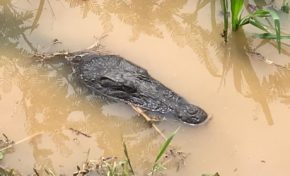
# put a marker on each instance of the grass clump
(8, 172)
(109, 166)
(4, 143)
(254, 19)
(112, 166)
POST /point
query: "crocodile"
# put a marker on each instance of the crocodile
(119, 79)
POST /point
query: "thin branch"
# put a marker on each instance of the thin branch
(149, 120)
(21, 141)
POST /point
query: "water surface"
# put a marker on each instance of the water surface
(179, 43)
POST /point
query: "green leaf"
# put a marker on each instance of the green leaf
(159, 167)
(165, 145)
(127, 157)
(261, 13)
(271, 36)
(162, 151)
(276, 19)
(236, 8)
(255, 22)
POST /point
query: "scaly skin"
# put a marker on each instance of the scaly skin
(119, 79)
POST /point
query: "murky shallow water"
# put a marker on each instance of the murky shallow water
(178, 42)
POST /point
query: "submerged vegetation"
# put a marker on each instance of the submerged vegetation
(8, 172)
(254, 18)
(109, 166)
(5, 143)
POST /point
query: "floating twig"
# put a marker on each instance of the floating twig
(178, 155)
(149, 120)
(36, 172)
(42, 57)
(21, 141)
(78, 132)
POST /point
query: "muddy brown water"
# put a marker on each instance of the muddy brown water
(179, 43)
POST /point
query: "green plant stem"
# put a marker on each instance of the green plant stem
(236, 9)
(127, 157)
(226, 22)
(163, 150)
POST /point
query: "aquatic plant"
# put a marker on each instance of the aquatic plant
(5, 143)
(285, 7)
(13, 27)
(226, 22)
(7, 172)
(112, 166)
(157, 164)
(254, 18)
(129, 168)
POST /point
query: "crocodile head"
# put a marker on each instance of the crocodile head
(191, 114)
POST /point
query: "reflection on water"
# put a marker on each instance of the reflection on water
(12, 27)
(179, 43)
(51, 109)
(245, 80)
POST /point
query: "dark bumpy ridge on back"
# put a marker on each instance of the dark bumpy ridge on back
(119, 79)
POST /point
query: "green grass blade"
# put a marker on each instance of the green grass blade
(111, 168)
(252, 19)
(255, 22)
(271, 36)
(261, 13)
(127, 157)
(276, 19)
(162, 151)
(236, 8)
(245, 20)
(165, 146)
